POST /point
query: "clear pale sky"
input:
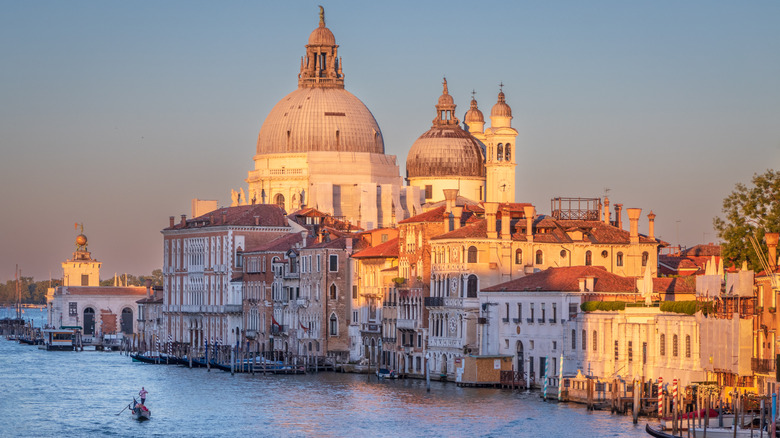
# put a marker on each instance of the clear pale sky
(117, 114)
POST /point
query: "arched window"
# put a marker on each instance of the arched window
(662, 343)
(584, 340)
(334, 325)
(471, 289)
(279, 200)
(645, 255)
(89, 321)
(127, 321)
(619, 259)
(588, 258)
(674, 346)
(472, 254)
(333, 291)
(500, 152)
(508, 152)
(688, 346)
(539, 257)
(518, 256)
(595, 340)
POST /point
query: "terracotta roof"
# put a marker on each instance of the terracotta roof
(244, 215)
(707, 250)
(151, 300)
(280, 244)
(437, 215)
(384, 250)
(555, 231)
(674, 285)
(340, 243)
(567, 280)
(105, 290)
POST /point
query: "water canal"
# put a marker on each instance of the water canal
(80, 393)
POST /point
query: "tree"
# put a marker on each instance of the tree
(749, 211)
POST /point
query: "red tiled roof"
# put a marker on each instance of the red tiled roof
(437, 214)
(244, 215)
(105, 290)
(384, 250)
(707, 250)
(340, 243)
(280, 244)
(566, 279)
(674, 285)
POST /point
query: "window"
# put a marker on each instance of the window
(539, 257)
(555, 312)
(279, 200)
(532, 312)
(354, 292)
(662, 343)
(507, 311)
(617, 351)
(333, 263)
(630, 351)
(333, 292)
(519, 256)
(318, 263)
(619, 259)
(573, 310)
(472, 254)
(519, 311)
(471, 287)
(428, 191)
(674, 346)
(85, 279)
(73, 309)
(574, 339)
(384, 237)
(645, 255)
(544, 313)
(555, 347)
(334, 325)
(588, 258)
(584, 340)
(595, 341)
(644, 352)
(688, 346)
(500, 152)
(508, 152)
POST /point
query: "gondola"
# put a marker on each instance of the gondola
(140, 412)
(657, 433)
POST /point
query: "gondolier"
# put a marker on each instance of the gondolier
(142, 393)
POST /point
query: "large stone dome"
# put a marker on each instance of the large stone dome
(445, 151)
(320, 119)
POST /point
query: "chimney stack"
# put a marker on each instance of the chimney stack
(651, 225)
(529, 212)
(445, 221)
(490, 215)
(184, 220)
(506, 220)
(349, 245)
(618, 216)
(148, 287)
(771, 243)
(171, 219)
(633, 220)
(450, 195)
(257, 221)
(606, 210)
(457, 212)
(224, 216)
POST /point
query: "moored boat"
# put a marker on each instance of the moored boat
(140, 412)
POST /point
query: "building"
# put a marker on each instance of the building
(314, 133)
(200, 258)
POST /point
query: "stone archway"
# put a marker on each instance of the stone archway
(89, 321)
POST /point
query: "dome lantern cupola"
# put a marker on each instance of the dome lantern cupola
(474, 120)
(321, 67)
(445, 108)
(501, 113)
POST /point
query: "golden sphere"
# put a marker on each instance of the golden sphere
(81, 240)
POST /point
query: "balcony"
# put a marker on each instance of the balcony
(445, 342)
(406, 324)
(251, 334)
(505, 320)
(433, 301)
(370, 328)
(762, 365)
(302, 302)
(517, 320)
(233, 308)
(552, 320)
(388, 340)
(529, 320)
(540, 320)
(279, 330)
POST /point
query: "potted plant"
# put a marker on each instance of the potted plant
(772, 309)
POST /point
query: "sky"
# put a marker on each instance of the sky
(117, 114)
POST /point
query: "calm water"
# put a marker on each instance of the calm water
(80, 393)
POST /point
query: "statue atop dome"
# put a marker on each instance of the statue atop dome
(321, 66)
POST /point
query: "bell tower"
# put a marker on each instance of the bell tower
(500, 153)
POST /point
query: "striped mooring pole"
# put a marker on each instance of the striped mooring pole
(546, 360)
(560, 379)
(660, 397)
(674, 393)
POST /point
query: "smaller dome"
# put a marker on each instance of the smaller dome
(501, 109)
(473, 115)
(446, 99)
(322, 36)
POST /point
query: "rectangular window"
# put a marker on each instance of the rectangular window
(519, 311)
(584, 341)
(574, 339)
(333, 263)
(428, 191)
(73, 309)
(555, 312)
(617, 350)
(419, 340)
(84, 279)
(644, 352)
(630, 351)
(354, 292)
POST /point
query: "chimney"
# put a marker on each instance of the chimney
(184, 220)
(633, 220)
(651, 225)
(304, 234)
(771, 243)
(224, 216)
(171, 219)
(445, 221)
(349, 245)
(582, 284)
(618, 216)
(148, 287)
(606, 211)
(490, 216)
(457, 212)
(529, 212)
(506, 220)
(211, 218)
(450, 195)
(257, 221)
